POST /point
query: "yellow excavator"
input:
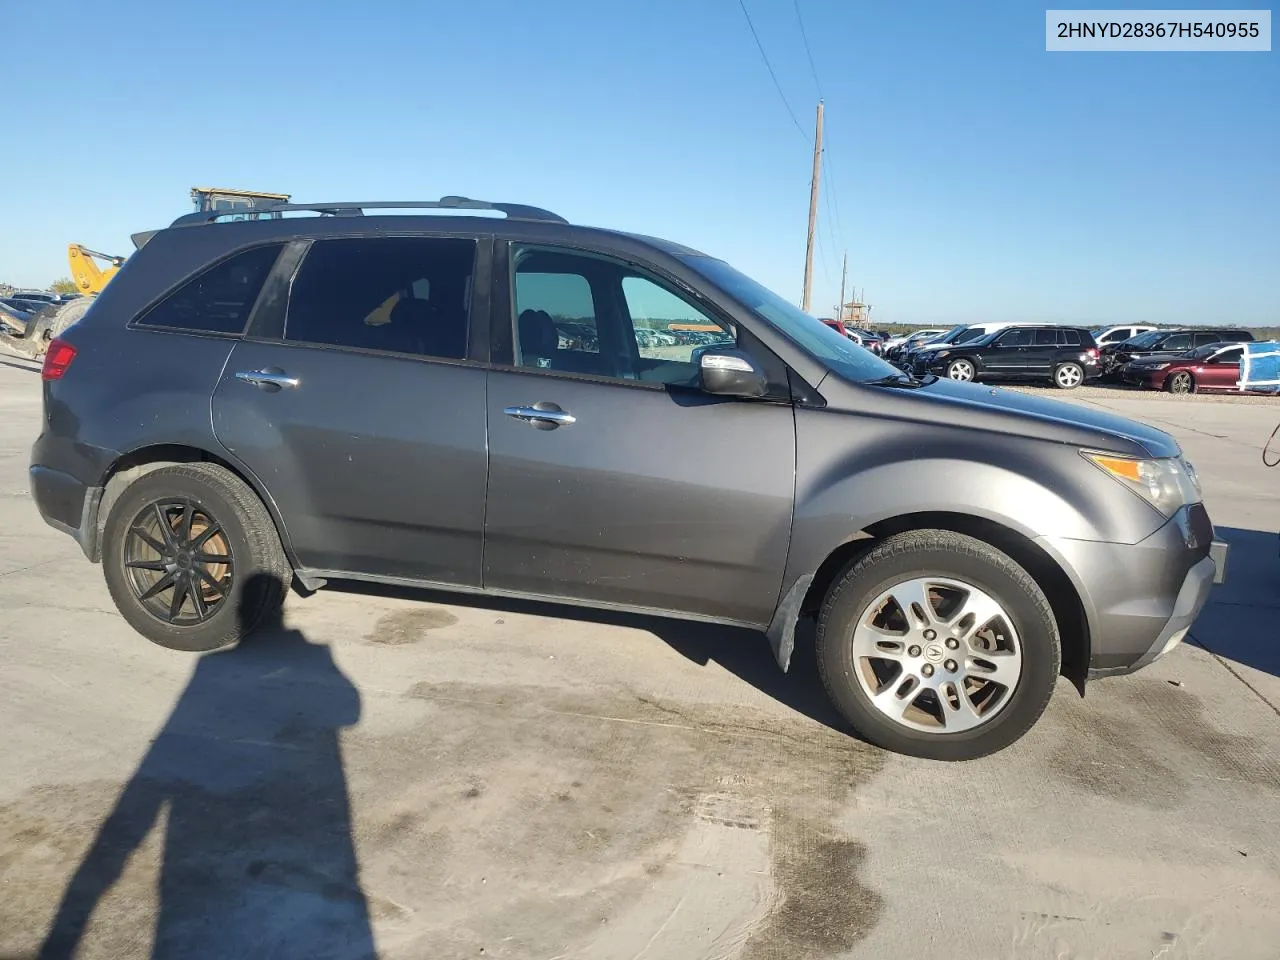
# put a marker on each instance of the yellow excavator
(90, 279)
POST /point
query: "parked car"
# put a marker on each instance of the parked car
(959, 548)
(836, 325)
(1105, 336)
(1165, 342)
(895, 345)
(917, 358)
(1065, 356)
(1213, 367)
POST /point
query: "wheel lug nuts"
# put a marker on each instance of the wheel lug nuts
(927, 670)
(952, 643)
(913, 650)
(951, 666)
(930, 634)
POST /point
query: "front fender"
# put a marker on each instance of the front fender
(854, 472)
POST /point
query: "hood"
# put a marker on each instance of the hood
(984, 407)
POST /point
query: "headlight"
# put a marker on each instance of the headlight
(1167, 483)
(941, 353)
(1158, 366)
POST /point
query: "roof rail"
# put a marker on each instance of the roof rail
(514, 211)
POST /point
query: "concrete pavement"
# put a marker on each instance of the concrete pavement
(429, 777)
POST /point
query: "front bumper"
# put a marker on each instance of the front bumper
(1141, 599)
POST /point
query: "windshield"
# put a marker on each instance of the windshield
(1145, 339)
(838, 352)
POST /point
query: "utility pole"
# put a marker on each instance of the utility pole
(844, 270)
(813, 211)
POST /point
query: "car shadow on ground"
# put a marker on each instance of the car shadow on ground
(1241, 622)
(247, 775)
(744, 653)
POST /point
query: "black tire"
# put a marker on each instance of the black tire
(1181, 381)
(939, 553)
(1059, 376)
(260, 571)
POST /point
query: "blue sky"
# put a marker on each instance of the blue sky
(975, 175)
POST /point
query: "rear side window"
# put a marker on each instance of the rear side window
(219, 299)
(399, 294)
(1048, 338)
(1203, 338)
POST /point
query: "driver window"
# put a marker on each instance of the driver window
(1232, 355)
(668, 331)
(1016, 338)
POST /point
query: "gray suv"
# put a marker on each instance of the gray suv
(521, 407)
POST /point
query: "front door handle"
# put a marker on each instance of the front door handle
(543, 415)
(267, 378)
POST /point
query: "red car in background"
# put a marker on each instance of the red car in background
(834, 324)
(1215, 366)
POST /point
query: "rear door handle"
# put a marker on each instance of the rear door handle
(267, 378)
(543, 415)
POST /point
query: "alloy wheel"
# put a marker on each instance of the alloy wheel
(961, 370)
(1069, 375)
(1180, 383)
(937, 655)
(178, 562)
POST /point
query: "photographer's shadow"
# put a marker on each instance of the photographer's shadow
(258, 857)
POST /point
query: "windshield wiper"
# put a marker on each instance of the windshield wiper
(904, 380)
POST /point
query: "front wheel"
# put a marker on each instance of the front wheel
(192, 557)
(1068, 376)
(935, 644)
(961, 370)
(1180, 382)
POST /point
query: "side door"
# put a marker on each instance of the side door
(1047, 346)
(1007, 354)
(638, 489)
(358, 403)
(1221, 370)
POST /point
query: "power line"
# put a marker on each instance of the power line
(805, 37)
(763, 56)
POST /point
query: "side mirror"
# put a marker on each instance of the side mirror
(728, 372)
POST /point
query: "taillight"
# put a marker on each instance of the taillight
(1093, 352)
(56, 360)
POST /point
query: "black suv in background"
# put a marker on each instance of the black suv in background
(1065, 356)
(1160, 342)
(496, 407)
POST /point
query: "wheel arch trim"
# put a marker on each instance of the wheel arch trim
(141, 460)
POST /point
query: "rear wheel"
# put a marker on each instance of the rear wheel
(961, 370)
(938, 645)
(1068, 376)
(192, 558)
(1180, 382)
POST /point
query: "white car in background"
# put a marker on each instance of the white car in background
(1118, 334)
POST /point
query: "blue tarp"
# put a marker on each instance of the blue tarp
(1260, 367)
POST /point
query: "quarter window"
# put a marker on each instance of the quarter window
(1069, 337)
(219, 299)
(400, 294)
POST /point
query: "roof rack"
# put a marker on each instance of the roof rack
(514, 211)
